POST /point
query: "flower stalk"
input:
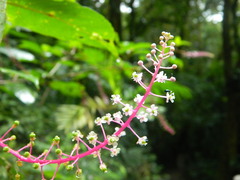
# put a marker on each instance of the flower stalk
(121, 120)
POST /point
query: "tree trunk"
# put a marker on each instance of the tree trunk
(228, 149)
(115, 16)
(132, 22)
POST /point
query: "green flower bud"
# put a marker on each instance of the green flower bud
(17, 176)
(32, 136)
(56, 139)
(19, 163)
(26, 154)
(69, 167)
(13, 137)
(58, 151)
(36, 165)
(15, 124)
(78, 173)
(6, 149)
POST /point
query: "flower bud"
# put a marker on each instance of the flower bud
(6, 149)
(161, 38)
(56, 139)
(36, 165)
(160, 56)
(174, 66)
(13, 137)
(103, 167)
(172, 48)
(148, 55)
(172, 44)
(58, 151)
(173, 79)
(32, 136)
(69, 167)
(26, 154)
(17, 176)
(153, 51)
(140, 63)
(19, 163)
(171, 53)
(153, 45)
(78, 173)
(161, 43)
(15, 124)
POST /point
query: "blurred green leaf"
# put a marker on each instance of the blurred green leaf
(71, 117)
(73, 89)
(29, 77)
(180, 91)
(63, 20)
(21, 91)
(179, 42)
(30, 45)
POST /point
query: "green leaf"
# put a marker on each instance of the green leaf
(24, 75)
(63, 20)
(71, 117)
(73, 89)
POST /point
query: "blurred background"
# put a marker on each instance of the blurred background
(60, 62)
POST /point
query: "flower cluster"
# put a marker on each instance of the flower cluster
(139, 109)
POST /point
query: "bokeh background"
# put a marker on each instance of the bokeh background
(60, 62)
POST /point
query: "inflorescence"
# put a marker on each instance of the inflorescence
(122, 120)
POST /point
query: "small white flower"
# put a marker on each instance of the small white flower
(112, 140)
(98, 121)
(142, 117)
(115, 151)
(128, 110)
(138, 98)
(103, 167)
(170, 97)
(92, 138)
(116, 98)
(142, 141)
(77, 134)
(152, 110)
(137, 76)
(117, 116)
(107, 118)
(123, 133)
(161, 77)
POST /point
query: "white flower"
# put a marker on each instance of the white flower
(107, 118)
(112, 140)
(116, 98)
(128, 110)
(92, 138)
(152, 110)
(138, 98)
(117, 116)
(170, 97)
(143, 117)
(115, 151)
(123, 133)
(77, 134)
(137, 76)
(103, 167)
(142, 141)
(98, 121)
(161, 77)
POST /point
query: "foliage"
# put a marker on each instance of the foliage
(41, 62)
